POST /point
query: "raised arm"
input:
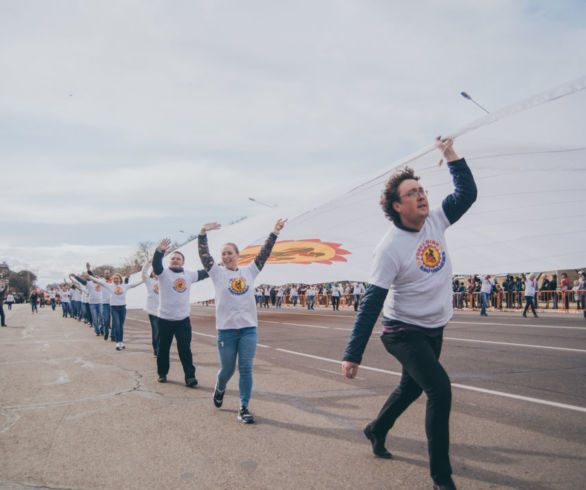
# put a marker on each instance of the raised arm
(159, 254)
(465, 192)
(144, 273)
(80, 280)
(202, 245)
(266, 249)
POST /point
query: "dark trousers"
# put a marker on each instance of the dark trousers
(181, 329)
(118, 316)
(2, 316)
(154, 332)
(528, 303)
(336, 302)
(419, 355)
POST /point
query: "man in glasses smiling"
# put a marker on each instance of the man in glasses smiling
(411, 282)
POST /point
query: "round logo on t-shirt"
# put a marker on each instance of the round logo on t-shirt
(431, 256)
(118, 290)
(156, 289)
(179, 285)
(98, 287)
(238, 285)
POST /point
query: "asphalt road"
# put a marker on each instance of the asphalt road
(75, 413)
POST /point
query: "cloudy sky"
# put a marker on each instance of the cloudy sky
(126, 121)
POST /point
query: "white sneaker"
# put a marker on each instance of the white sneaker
(118, 346)
(122, 346)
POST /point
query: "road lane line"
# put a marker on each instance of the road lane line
(517, 325)
(501, 394)
(511, 344)
(566, 349)
(455, 385)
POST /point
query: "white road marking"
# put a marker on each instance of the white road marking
(515, 344)
(561, 327)
(299, 325)
(455, 385)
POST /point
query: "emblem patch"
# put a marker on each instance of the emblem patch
(431, 256)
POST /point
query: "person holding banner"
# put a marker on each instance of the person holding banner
(411, 281)
(173, 313)
(236, 315)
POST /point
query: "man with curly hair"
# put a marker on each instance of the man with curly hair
(411, 282)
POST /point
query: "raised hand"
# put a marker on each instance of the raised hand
(279, 225)
(164, 245)
(209, 227)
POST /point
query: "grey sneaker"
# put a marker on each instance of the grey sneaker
(218, 397)
(191, 382)
(245, 416)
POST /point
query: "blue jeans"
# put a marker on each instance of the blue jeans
(294, 298)
(118, 317)
(310, 302)
(105, 318)
(95, 316)
(241, 343)
(484, 297)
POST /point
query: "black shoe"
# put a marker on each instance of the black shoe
(535, 315)
(191, 382)
(106, 336)
(245, 416)
(378, 445)
(162, 378)
(524, 315)
(218, 397)
(446, 485)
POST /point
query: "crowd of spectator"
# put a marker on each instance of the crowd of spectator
(508, 292)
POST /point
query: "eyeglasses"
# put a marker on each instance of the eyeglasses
(415, 193)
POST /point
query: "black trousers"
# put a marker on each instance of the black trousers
(181, 329)
(2, 317)
(154, 332)
(419, 355)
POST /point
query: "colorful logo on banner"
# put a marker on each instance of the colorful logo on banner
(118, 290)
(298, 252)
(431, 256)
(156, 289)
(238, 286)
(179, 285)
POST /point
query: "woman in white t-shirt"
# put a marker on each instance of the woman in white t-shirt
(118, 292)
(236, 316)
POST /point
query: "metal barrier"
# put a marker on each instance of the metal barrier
(515, 300)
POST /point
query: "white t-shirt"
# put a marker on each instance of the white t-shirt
(416, 269)
(310, 291)
(530, 286)
(95, 293)
(293, 291)
(117, 291)
(235, 302)
(487, 283)
(174, 290)
(75, 295)
(152, 300)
